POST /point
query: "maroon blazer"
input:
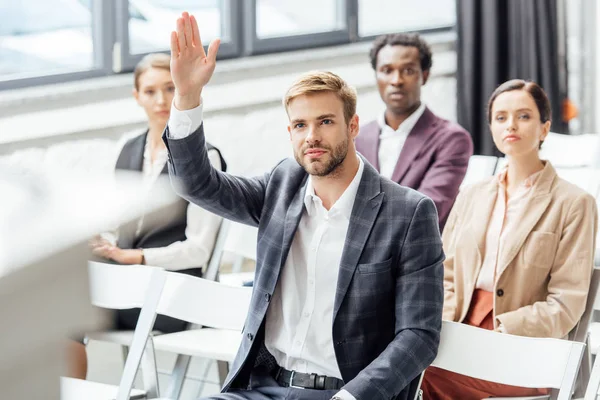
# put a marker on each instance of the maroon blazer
(433, 160)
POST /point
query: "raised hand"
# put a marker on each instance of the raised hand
(191, 67)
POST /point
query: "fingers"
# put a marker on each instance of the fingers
(174, 45)
(213, 49)
(187, 27)
(195, 32)
(181, 35)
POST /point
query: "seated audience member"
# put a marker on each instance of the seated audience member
(183, 239)
(408, 143)
(519, 246)
(348, 292)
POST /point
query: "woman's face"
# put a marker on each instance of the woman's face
(516, 126)
(155, 94)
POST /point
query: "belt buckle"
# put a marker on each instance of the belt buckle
(292, 381)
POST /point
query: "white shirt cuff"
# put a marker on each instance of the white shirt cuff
(344, 395)
(183, 123)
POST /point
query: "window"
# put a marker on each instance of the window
(376, 17)
(44, 37)
(151, 22)
(277, 18)
(48, 41)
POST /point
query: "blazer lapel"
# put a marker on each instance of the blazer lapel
(370, 137)
(364, 214)
(292, 219)
(424, 127)
(528, 217)
(481, 214)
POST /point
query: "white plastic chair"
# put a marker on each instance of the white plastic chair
(122, 287)
(509, 359)
(480, 167)
(221, 311)
(239, 241)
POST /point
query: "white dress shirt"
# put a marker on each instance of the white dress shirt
(392, 141)
(299, 326)
(201, 226)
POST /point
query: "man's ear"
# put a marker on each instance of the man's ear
(425, 77)
(354, 126)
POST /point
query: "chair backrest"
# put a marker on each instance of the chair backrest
(119, 286)
(234, 238)
(203, 302)
(212, 268)
(586, 178)
(129, 286)
(509, 359)
(571, 150)
(480, 167)
(142, 331)
(580, 332)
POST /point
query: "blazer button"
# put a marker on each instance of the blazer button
(250, 336)
(268, 297)
(500, 292)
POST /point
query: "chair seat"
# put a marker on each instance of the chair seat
(215, 344)
(77, 389)
(123, 338)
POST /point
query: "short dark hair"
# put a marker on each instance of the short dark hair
(535, 90)
(402, 39)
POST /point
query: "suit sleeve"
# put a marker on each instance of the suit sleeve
(419, 301)
(442, 180)
(568, 281)
(449, 240)
(196, 180)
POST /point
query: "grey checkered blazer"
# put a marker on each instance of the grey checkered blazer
(388, 304)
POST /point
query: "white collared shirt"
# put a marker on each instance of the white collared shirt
(392, 141)
(300, 318)
(299, 327)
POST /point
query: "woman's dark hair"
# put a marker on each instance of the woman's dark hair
(539, 97)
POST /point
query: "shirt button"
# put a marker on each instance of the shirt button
(311, 282)
(306, 315)
(298, 344)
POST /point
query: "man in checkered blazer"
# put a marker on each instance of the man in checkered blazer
(347, 300)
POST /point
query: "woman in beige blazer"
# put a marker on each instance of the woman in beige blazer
(519, 246)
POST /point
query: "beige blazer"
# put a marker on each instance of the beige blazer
(546, 263)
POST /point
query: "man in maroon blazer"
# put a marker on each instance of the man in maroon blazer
(408, 143)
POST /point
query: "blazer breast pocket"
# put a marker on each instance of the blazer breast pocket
(540, 249)
(375, 268)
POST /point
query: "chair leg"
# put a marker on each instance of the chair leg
(583, 377)
(178, 376)
(125, 353)
(150, 371)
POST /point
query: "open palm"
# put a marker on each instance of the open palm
(191, 67)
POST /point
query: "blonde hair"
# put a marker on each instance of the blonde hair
(323, 81)
(155, 60)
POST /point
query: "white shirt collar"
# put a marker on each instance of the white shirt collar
(346, 201)
(405, 127)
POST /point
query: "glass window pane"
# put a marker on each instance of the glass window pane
(276, 18)
(43, 37)
(151, 22)
(388, 16)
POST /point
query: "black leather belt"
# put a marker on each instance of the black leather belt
(299, 380)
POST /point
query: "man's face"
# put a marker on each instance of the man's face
(399, 77)
(320, 136)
